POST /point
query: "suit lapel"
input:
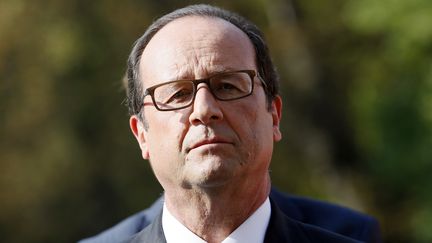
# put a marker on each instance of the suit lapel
(153, 233)
(282, 229)
(286, 205)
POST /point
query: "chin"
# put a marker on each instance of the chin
(213, 178)
(211, 171)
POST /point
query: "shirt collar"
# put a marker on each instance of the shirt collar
(252, 230)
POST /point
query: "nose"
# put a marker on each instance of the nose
(205, 108)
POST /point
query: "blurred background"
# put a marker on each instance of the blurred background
(356, 79)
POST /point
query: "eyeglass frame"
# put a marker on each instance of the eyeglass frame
(252, 74)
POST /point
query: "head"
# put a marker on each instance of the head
(265, 67)
(211, 143)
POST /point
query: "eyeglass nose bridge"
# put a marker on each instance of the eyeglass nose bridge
(200, 81)
(196, 83)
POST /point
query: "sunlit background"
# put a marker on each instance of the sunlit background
(356, 80)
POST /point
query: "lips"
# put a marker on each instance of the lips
(208, 141)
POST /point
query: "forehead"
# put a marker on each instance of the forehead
(194, 47)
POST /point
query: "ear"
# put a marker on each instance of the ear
(139, 132)
(276, 111)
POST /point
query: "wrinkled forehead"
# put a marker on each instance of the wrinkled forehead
(193, 47)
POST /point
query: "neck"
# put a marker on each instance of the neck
(213, 213)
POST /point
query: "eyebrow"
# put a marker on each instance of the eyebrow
(208, 74)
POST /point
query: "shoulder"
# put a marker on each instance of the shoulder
(153, 233)
(281, 228)
(127, 227)
(331, 217)
(316, 234)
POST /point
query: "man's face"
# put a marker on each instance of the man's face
(212, 142)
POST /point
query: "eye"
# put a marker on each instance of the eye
(174, 93)
(227, 86)
(180, 96)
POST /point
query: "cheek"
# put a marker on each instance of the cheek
(166, 158)
(251, 120)
(165, 135)
(256, 127)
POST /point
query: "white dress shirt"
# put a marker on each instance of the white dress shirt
(252, 230)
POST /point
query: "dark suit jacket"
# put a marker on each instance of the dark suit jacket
(281, 229)
(323, 215)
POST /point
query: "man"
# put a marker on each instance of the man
(205, 110)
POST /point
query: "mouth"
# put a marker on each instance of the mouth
(204, 142)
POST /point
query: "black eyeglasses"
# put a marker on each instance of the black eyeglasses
(175, 95)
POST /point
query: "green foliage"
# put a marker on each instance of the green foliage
(391, 103)
(356, 80)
